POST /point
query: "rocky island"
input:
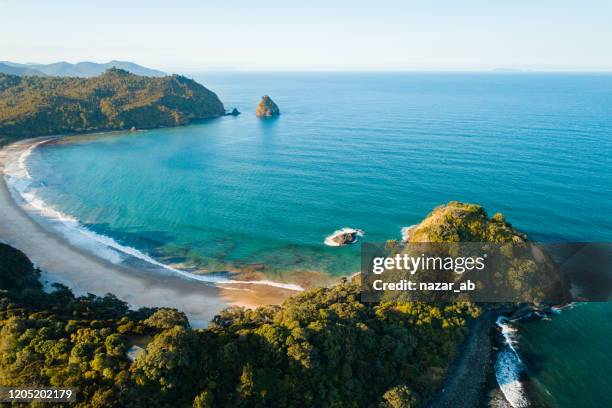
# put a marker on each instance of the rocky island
(267, 108)
(343, 237)
(39, 106)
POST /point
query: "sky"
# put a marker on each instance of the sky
(313, 35)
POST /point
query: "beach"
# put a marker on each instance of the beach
(61, 262)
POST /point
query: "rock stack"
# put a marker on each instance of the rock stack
(267, 108)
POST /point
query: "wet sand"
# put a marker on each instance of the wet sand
(84, 273)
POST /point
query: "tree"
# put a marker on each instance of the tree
(246, 387)
(204, 400)
(166, 319)
(399, 396)
(168, 360)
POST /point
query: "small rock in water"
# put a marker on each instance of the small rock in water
(343, 237)
(267, 108)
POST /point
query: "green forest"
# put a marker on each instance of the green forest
(323, 347)
(38, 106)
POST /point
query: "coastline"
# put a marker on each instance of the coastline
(62, 262)
(473, 378)
(468, 378)
(83, 272)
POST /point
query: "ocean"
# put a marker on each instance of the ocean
(373, 151)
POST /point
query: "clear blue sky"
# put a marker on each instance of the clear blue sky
(303, 35)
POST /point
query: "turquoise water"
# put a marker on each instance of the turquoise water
(369, 151)
(569, 357)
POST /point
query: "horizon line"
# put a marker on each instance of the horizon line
(358, 70)
(536, 68)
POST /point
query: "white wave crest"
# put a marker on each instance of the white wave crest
(509, 366)
(406, 232)
(18, 168)
(19, 181)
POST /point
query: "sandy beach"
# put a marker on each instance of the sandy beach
(84, 273)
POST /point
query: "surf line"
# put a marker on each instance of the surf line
(509, 367)
(19, 181)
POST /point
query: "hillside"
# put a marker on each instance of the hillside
(80, 69)
(38, 106)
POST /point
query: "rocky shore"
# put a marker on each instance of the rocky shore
(467, 379)
(471, 379)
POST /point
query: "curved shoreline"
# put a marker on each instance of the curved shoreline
(84, 273)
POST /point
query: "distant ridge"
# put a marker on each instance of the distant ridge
(21, 70)
(80, 69)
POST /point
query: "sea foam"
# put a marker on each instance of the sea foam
(509, 366)
(406, 232)
(23, 190)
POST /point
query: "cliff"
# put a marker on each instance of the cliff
(38, 106)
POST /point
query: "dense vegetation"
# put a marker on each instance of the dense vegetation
(519, 271)
(461, 222)
(37, 106)
(322, 348)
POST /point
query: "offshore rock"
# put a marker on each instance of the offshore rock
(267, 108)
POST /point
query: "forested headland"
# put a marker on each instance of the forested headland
(38, 106)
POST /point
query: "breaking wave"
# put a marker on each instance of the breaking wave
(406, 231)
(509, 366)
